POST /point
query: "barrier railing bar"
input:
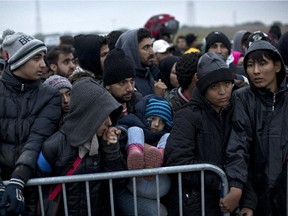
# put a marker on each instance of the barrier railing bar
(134, 174)
(41, 199)
(202, 193)
(180, 193)
(65, 199)
(88, 198)
(135, 196)
(111, 197)
(158, 194)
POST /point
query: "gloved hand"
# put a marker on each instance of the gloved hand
(2, 190)
(13, 197)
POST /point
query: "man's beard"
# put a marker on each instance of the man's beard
(119, 99)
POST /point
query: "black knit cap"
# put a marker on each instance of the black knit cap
(117, 67)
(165, 66)
(216, 37)
(212, 69)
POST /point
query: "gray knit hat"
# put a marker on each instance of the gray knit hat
(58, 82)
(21, 48)
(211, 69)
(90, 105)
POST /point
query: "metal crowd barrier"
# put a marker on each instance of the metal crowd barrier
(131, 174)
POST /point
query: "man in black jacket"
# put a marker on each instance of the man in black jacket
(29, 114)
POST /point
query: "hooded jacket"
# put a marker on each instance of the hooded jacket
(237, 41)
(144, 81)
(199, 135)
(59, 152)
(258, 147)
(30, 112)
(87, 48)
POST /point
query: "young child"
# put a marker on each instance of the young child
(148, 130)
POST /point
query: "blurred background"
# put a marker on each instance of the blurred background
(50, 19)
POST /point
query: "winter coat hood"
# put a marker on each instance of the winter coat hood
(90, 105)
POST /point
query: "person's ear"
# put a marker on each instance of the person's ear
(53, 67)
(278, 66)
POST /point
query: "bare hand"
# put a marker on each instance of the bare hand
(160, 88)
(231, 200)
(112, 135)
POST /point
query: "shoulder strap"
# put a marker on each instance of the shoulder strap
(58, 187)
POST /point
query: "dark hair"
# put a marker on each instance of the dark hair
(53, 54)
(258, 56)
(180, 37)
(143, 33)
(112, 38)
(186, 68)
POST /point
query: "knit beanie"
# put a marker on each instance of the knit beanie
(212, 68)
(160, 108)
(216, 37)
(117, 67)
(91, 104)
(87, 48)
(165, 67)
(58, 82)
(20, 48)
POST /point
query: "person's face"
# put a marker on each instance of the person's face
(32, 69)
(218, 94)
(104, 50)
(220, 49)
(240, 61)
(104, 127)
(65, 65)
(263, 73)
(173, 77)
(181, 44)
(123, 90)
(146, 53)
(65, 92)
(157, 124)
(160, 56)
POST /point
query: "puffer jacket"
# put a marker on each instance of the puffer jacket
(199, 135)
(258, 149)
(29, 114)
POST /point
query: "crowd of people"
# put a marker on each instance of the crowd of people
(134, 100)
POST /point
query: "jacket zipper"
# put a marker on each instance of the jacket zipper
(22, 87)
(274, 101)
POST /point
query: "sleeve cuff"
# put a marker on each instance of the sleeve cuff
(22, 172)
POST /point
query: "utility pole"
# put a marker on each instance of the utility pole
(38, 18)
(190, 13)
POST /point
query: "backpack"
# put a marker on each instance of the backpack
(162, 24)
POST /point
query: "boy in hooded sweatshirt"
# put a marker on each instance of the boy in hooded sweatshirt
(257, 149)
(88, 134)
(200, 135)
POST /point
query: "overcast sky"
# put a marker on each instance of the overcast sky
(93, 15)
